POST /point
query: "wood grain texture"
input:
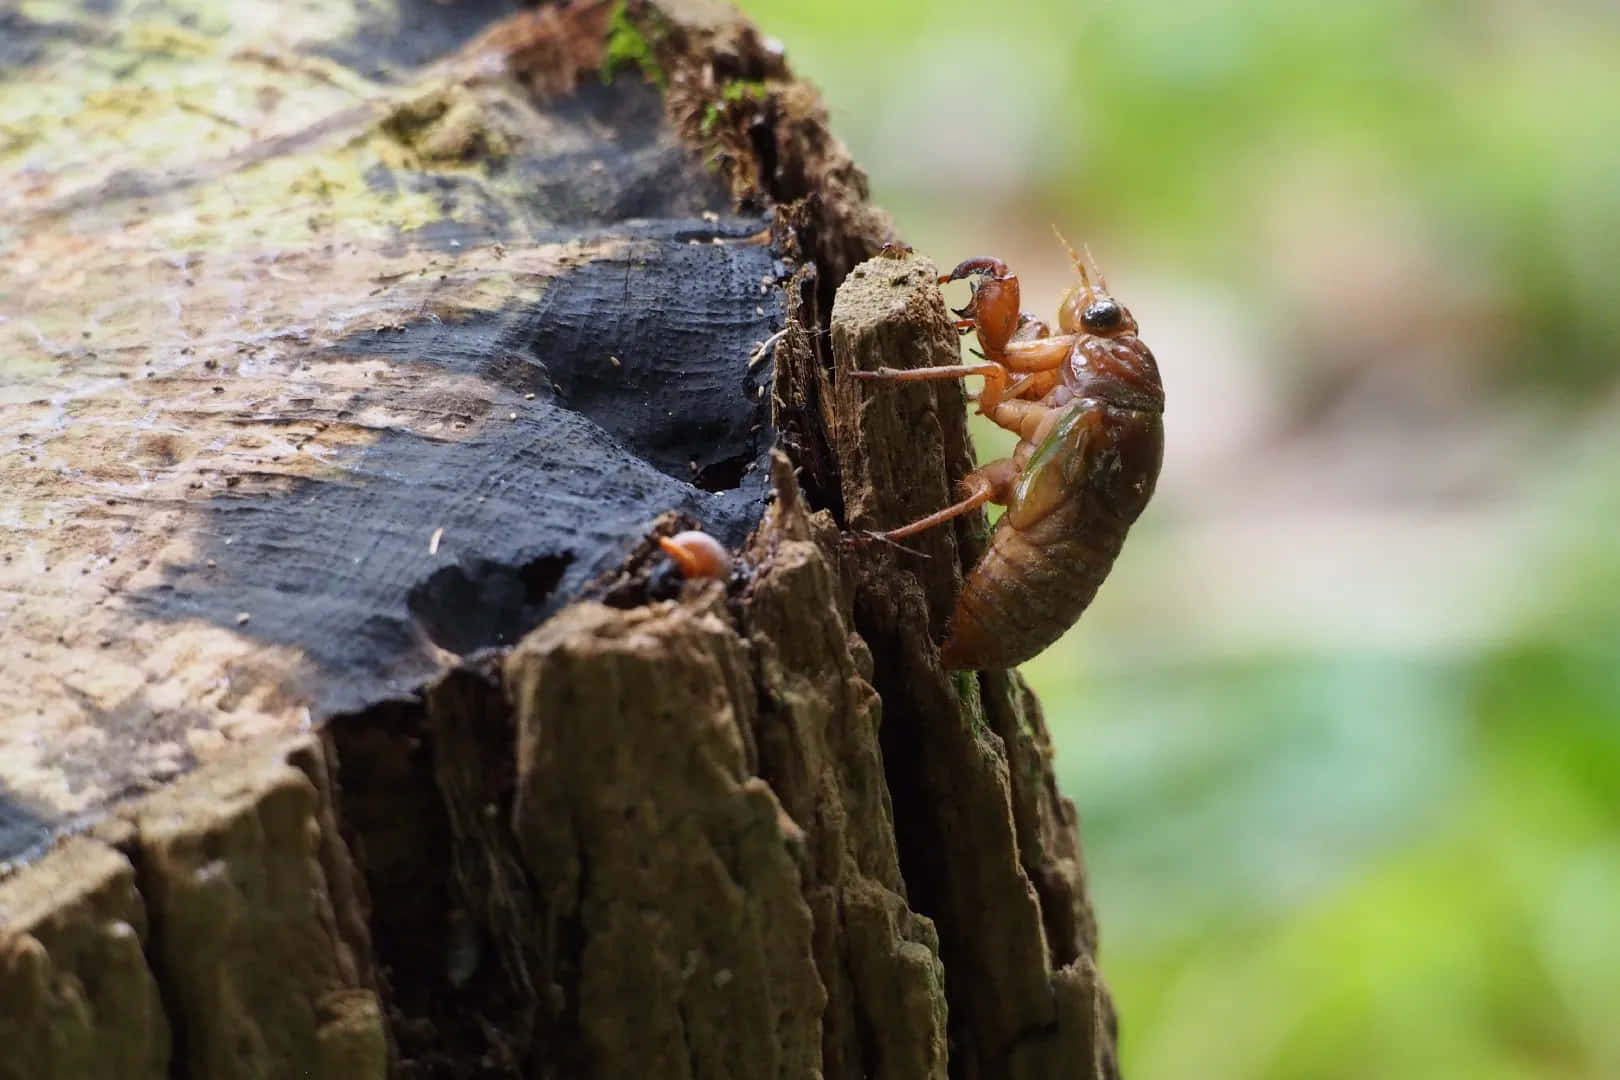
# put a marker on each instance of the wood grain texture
(72, 971)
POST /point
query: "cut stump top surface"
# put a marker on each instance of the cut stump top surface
(330, 353)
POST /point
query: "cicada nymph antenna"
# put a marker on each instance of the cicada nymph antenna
(1102, 282)
(1074, 257)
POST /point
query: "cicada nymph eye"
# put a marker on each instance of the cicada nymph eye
(1101, 316)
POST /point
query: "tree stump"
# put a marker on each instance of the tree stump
(351, 369)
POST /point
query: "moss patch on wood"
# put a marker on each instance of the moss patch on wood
(634, 45)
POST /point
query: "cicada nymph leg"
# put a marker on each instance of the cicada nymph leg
(993, 482)
(995, 376)
(1027, 363)
(1016, 390)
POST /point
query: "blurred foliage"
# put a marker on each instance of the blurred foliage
(1188, 127)
(1388, 846)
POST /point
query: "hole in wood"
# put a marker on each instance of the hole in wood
(482, 604)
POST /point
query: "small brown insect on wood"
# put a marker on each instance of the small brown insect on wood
(697, 555)
(1087, 406)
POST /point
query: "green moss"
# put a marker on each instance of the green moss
(967, 693)
(627, 44)
(743, 90)
(967, 685)
(720, 114)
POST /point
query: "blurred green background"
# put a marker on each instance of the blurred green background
(1344, 724)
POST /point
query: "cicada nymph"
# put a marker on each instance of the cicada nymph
(1087, 406)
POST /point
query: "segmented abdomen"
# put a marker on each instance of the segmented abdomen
(1031, 586)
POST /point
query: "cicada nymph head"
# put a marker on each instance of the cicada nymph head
(1089, 308)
